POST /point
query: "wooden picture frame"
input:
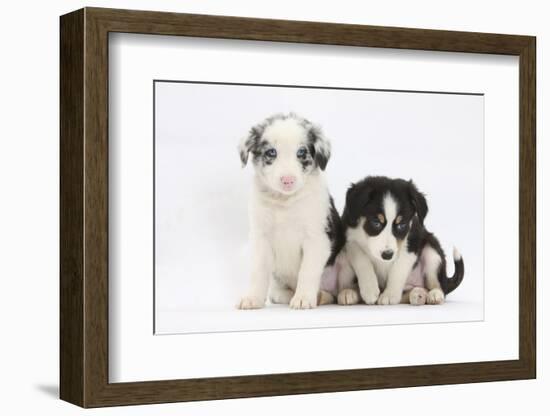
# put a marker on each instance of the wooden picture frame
(84, 207)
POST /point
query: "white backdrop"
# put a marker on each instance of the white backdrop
(202, 193)
(29, 217)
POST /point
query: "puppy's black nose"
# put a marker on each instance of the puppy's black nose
(387, 254)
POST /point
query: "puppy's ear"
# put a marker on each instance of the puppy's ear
(418, 201)
(321, 146)
(357, 198)
(249, 142)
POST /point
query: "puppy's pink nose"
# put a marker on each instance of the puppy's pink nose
(288, 181)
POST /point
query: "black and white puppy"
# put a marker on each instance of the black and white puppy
(392, 255)
(295, 231)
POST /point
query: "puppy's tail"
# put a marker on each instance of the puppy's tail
(451, 283)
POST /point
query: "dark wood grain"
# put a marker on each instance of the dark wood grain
(162, 23)
(84, 207)
(71, 185)
(527, 208)
(96, 219)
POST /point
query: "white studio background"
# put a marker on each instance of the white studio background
(201, 251)
(29, 213)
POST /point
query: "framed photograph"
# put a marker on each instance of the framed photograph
(254, 207)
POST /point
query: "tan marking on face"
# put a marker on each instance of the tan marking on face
(398, 219)
(400, 244)
(381, 218)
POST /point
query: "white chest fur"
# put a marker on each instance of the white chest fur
(286, 223)
(382, 269)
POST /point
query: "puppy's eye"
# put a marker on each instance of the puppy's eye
(375, 222)
(401, 226)
(301, 153)
(271, 153)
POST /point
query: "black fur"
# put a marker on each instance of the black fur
(419, 238)
(306, 157)
(320, 156)
(335, 233)
(365, 198)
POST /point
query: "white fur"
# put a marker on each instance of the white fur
(385, 240)
(325, 298)
(456, 254)
(396, 277)
(348, 297)
(287, 229)
(286, 136)
(436, 297)
(364, 269)
(279, 293)
(418, 296)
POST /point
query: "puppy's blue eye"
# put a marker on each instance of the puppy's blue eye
(376, 223)
(302, 152)
(401, 226)
(272, 153)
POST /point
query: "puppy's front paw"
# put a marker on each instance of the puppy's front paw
(251, 302)
(418, 296)
(324, 298)
(303, 301)
(348, 297)
(436, 297)
(281, 296)
(389, 298)
(370, 297)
